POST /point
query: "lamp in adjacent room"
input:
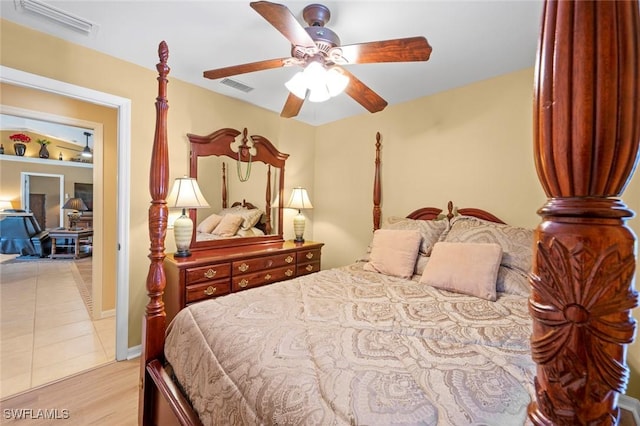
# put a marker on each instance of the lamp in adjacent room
(5, 205)
(299, 200)
(185, 194)
(76, 205)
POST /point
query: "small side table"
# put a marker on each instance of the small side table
(77, 243)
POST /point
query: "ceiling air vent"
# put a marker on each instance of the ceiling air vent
(236, 85)
(56, 15)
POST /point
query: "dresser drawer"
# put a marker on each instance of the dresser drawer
(246, 281)
(267, 262)
(308, 268)
(207, 290)
(311, 255)
(207, 273)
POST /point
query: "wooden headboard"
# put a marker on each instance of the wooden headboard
(586, 142)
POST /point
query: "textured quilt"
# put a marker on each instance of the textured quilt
(350, 347)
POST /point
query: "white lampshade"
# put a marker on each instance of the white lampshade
(336, 81)
(299, 200)
(185, 194)
(5, 205)
(318, 82)
(297, 85)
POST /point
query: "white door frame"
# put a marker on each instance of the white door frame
(25, 190)
(123, 107)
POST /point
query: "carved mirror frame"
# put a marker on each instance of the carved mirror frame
(219, 143)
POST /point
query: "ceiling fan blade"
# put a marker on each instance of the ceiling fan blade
(398, 50)
(363, 94)
(245, 68)
(283, 20)
(292, 106)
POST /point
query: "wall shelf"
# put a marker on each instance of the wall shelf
(47, 161)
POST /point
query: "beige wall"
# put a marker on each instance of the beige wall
(472, 145)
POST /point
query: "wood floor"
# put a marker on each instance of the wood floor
(107, 395)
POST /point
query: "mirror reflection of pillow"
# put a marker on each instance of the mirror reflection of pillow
(228, 226)
(209, 224)
(250, 216)
(394, 252)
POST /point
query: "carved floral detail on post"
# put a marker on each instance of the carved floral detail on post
(580, 315)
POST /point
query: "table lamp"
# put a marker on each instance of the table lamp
(76, 205)
(299, 200)
(185, 194)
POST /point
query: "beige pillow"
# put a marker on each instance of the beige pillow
(228, 226)
(468, 268)
(209, 224)
(249, 216)
(430, 230)
(516, 243)
(394, 252)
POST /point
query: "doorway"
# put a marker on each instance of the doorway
(43, 195)
(122, 107)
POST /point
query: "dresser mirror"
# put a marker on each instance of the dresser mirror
(242, 175)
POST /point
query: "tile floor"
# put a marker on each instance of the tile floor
(46, 332)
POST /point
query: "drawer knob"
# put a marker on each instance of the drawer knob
(288, 272)
(309, 268)
(243, 283)
(210, 290)
(289, 259)
(244, 267)
(267, 277)
(309, 255)
(210, 273)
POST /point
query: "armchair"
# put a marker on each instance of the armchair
(20, 233)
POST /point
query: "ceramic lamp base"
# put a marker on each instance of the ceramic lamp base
(298, 227)
(182, 232)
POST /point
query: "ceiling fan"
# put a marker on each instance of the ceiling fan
(320, 47)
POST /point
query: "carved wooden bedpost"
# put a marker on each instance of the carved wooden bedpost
(586, 137)
(153, 325)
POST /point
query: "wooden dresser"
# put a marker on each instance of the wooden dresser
(215, 272)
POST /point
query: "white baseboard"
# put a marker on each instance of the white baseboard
(134, 352)
(108, 314)
(632, 405)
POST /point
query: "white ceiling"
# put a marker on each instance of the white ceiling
(471, 40)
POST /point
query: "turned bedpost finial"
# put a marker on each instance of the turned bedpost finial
(154, 321)
(377, 213)
(450, 213)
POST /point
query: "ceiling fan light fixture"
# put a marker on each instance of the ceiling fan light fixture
(336, 81)
(297, 85)
(319, 94)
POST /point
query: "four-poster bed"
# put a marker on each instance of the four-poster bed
(587, 135)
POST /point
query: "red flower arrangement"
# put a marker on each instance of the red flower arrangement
(20, 137)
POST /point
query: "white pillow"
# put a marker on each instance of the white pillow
(468, 268)
(209, 224)
(394, 252)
